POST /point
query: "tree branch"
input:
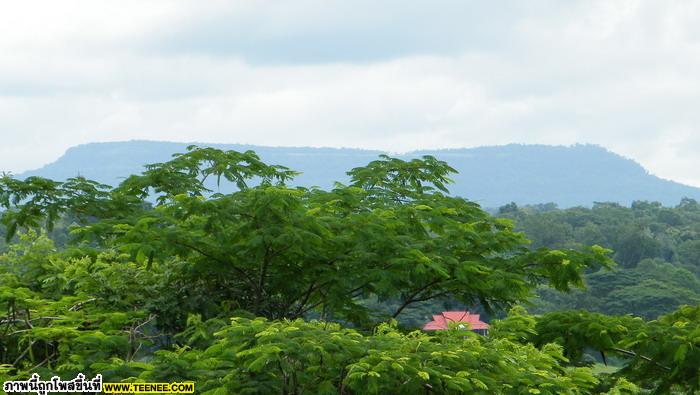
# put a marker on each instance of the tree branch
(634, 354)
(411, 299)
(217, 259)
(80, 305)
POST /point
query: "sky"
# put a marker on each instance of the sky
(389, 75)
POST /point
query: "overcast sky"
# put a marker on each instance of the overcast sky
(391, 75)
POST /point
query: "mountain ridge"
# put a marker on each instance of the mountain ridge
(574, 175)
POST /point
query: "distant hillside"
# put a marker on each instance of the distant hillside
(491, 176)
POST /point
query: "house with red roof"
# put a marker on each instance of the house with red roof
(462, 319)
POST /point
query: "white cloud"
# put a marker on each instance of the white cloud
(622, 74)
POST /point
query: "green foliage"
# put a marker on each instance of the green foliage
(649, 290)
(63, 314)
(145, 289)
(661, 355)
(397, 179)
(518, 326)
(689, 254)
(258, 356)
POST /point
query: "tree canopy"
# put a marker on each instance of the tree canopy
(266, 289)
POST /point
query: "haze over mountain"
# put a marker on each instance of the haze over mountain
(492, 176)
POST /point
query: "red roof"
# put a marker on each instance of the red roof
(441, 321)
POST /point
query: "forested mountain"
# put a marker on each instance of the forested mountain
(490, 176)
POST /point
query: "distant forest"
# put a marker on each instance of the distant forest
(656, 248)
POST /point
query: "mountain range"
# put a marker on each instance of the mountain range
(492, 176)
